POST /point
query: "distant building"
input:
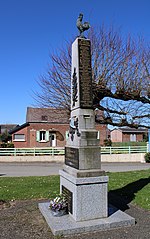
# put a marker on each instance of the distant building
(6, 127)
(46, 127)
(128, 134)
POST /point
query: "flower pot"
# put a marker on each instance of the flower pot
(59, 213)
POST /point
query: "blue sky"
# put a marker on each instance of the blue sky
(31, 29)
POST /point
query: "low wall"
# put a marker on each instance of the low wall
(122, 158)
(138, 157)
(58, 159)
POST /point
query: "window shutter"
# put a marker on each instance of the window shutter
(67, 134)
(98, 135)
(37, 136)
(47, 136)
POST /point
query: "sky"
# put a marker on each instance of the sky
(32, 29)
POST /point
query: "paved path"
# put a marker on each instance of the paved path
(45, 169)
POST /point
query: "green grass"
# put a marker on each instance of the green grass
(133, 186)
(28, 187)
(122, 144)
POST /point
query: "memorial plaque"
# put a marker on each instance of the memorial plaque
(72, 157)
(68, 195)
(85, 74)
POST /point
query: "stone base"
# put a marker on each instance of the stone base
(88, 196)
(65, 225)
(83, 173)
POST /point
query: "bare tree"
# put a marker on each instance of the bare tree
(120, 74)
(55, 84)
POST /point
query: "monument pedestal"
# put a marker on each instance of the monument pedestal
(88, 196)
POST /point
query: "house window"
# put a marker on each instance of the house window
(19, 137)
(44, 118)
(42, 135)
(133, 137)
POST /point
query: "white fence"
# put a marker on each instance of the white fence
(124, 150)
(61, 151)
(31, 151)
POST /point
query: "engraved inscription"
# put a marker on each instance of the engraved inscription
(72, 157)
(85, 74)
(74, 87)
(68, 195)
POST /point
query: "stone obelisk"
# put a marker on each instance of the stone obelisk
(81, 179)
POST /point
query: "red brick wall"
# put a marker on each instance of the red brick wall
(32, 138)
(126, 137)
(61, 128)
(21, 144)
(116, 135)
(103, 131)
(139, 137)
(30, 134)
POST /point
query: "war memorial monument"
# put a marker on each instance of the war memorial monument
(82, 181)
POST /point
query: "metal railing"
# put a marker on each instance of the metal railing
(124, 150)
(31, 151)
(61, 151)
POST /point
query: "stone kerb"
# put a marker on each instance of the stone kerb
(121, 158)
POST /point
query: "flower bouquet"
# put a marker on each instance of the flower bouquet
(59, 206)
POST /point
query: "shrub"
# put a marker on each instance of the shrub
(6, 145)
(3, 145)
(10, 145)
(107, 142)
(147, 157)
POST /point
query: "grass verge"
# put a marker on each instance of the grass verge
(133, 186)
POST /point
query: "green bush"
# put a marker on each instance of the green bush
(10, 145)
(147, 157)
(107, 142)
(6, 145)
(3, 145)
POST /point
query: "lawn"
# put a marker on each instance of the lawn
(134, 186)
(123, 144)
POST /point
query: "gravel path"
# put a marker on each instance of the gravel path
(23, 220)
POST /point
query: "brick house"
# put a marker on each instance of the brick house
(128, 135)
(46, 127)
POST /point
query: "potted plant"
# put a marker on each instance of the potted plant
(59, 206)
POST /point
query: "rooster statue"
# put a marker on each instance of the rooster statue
(82, 27)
